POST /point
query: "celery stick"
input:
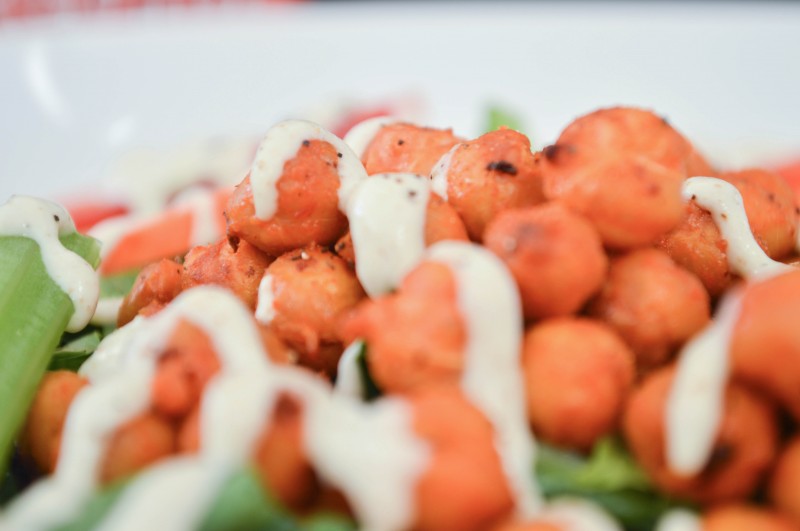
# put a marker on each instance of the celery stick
(33, 314)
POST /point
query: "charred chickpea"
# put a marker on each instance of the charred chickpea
(310, 290)
(307, 204)
(697, 243)
(155, 286)
(742, 517)
(555, 256)
(41, 436)
(784, 484)
(765, 346)
(745, 446)
(578, 374)
(462, 443)
(490, 174)
(416, 336)
(238, 268)
(654, 304)
(622, 168)
(404, 147)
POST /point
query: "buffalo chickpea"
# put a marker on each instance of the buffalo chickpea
(416, 336)
(741, 517)
(407, 148)
(784, 485)
(654, 304)
(744, 449)
(40, 438)
(555, 256)
(237, 268)
(577, 374)
(462, 446)
(155, 286)
(490, 174)
(307, 204)
(310, 290)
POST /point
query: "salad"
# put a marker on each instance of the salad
(407, 329)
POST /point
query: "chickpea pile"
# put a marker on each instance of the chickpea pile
(615, 273)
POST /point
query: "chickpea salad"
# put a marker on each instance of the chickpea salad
(399, 328)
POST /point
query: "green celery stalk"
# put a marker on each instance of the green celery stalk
(33, 314)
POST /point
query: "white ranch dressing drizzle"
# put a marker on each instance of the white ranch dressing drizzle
(348, 374)
(577, 514)
(281, 144)
(489, 303)
(679, 520)
(387, 215)
(696, 400)
(265, 307)
(440, 171)
(106, 311)
(363, 133)
(43, 222)
(724, 202)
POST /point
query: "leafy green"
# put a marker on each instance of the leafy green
(71, 355)
(497, 117)
(371, 389)
(117, 285)
(609, 476)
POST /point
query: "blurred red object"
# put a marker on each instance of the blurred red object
(32, 8)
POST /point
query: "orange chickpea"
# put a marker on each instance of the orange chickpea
(237, 268)
(41, 436)
(770, 205)
(765, 346)
(578, 373)
(622, 168)
(312, 288)
(407, 148)
(784, 485)
(631, 200)
(490, 174)
(155, 286)
(308, 204)
(415, 337)
(186, 366)
(652, 303)
(626, 130)
(743, 452)
(462, 446)
(136, 444)
(697, 244)
(740, 517)
(555, 256)
(283, 467)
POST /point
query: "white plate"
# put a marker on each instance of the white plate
(77, 92)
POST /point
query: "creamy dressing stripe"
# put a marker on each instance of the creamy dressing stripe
(387, 215)
(724, 202)
(440, 171)
(696, 401)
(43, 222)
(489, 304)
(281, 144)
(265, 307)
(362, 134)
